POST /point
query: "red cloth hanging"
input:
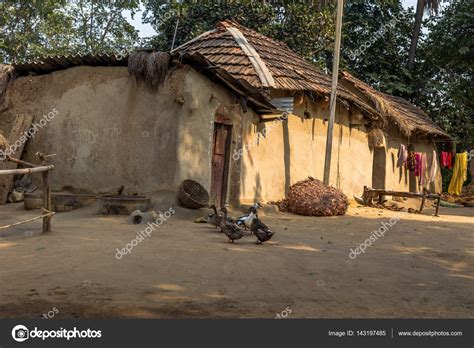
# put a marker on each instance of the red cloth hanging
(447, 159)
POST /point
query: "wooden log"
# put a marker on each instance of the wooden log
(26, 170)
(46, 202)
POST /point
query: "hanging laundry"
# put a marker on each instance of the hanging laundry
(459, 173)
(411, 161)
(433, 168)
(422, 169)
(417, 164)
(447, 159)
(402, 155)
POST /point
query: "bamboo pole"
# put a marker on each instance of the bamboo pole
(26, 170)
(26, 221)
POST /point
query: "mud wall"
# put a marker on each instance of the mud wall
(108, 130)
(399, 178)
(295, 149)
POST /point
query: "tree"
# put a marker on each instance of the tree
(446, 70)
(33, 28)
(100, 26)
(421, 6)
(307, 28)
(375, 43)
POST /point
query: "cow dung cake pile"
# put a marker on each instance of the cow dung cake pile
(313, 198)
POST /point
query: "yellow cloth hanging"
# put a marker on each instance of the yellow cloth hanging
(459, 174)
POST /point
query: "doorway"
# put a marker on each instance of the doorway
(220, 162)
(378, 168)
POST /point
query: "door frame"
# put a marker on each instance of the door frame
(223, 122)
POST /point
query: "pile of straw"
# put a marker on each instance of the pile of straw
(149, 67)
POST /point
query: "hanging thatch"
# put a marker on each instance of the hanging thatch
(149, 67)
(7, 74)
(409, 118)
(375, 138)
(4, 145)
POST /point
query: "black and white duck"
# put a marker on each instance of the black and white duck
(261, 231)
(246, 220)
(230, 229)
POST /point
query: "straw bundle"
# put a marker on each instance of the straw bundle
(149, 67)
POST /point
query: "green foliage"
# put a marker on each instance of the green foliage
(376, 38)
(100, 26)
(306, 28)
(446, 64)
(33, 28)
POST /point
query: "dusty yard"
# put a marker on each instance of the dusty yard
(422, 267)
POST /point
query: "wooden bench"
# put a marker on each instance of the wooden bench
(370, 193)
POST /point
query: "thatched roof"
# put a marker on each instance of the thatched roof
(409, 118)
(263, 63)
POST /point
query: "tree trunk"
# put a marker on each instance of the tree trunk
(420, 7)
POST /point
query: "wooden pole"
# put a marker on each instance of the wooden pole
(17, 161)
(46, 202)
(437, 205)
(26, 221)
(26, 170)
(332, 110)
(423, 198)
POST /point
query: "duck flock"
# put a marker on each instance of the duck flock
(237, 228)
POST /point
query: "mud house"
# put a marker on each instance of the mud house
(216, 116)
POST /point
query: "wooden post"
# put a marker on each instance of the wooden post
(333, 100)
(437, 205)
(364, 195)
(46, 202)
(423, 198)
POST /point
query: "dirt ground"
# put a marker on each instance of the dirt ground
(422, 268)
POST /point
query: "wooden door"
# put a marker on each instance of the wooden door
(220, 162)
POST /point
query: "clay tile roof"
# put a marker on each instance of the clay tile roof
(288, 70)
(409, 118)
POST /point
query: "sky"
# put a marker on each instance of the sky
(145, 30)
